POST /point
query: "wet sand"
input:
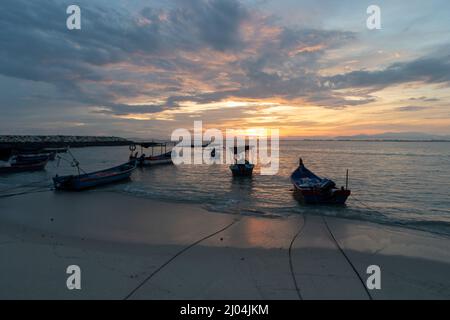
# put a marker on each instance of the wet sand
(179, 251)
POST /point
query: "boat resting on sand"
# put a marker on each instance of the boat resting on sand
(94, 179)
(311, 189)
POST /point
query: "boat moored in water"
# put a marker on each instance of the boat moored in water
(144, 161)
(312, 189)
(242, 169)
(94, 179)
(15, 167)
(31, 158)
(242, 166)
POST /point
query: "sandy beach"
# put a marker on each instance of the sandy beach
(135, 248)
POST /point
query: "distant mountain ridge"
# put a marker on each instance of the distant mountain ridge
(408, 136)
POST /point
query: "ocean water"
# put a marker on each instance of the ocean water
(394, 183)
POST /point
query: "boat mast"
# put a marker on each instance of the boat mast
(346, 180)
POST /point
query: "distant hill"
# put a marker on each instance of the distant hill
(403, 136)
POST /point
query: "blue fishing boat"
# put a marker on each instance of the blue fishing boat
(242, 166)
(312, 189)
(94, 179)
(242, 169)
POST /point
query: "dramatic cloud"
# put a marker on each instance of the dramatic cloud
(138, 57)
(200, 51)
(431, 70)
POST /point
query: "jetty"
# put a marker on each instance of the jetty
(26, 143)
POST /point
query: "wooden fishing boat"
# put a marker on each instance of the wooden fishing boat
(56, 150)
(242, 169)
(31, 158)
(311, 189)
(94, 179)
(242, 166)
(23, 167)
(165, 158)
(152, 160)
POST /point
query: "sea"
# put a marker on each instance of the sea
(392, 183)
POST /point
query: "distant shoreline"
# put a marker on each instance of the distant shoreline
(365, 140)
(30, 142)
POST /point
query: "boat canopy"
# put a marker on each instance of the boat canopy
(151, 144)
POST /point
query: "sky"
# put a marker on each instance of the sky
(145, 68)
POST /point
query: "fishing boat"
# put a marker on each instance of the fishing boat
(165, 158)
(144, 161)
(311, 189)
(56, 150)
(90, 180)
(241, 167)
(14, 167)
(31, 158)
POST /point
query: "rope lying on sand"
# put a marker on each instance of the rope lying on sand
(365, 205)
(297, 289)
(347, 258)
(176, 255)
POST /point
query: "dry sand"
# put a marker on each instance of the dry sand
(119, 241)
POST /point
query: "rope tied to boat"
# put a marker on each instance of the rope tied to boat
(175, 256)
(348, 259)
(291, 265)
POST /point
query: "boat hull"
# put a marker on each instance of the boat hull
(28, 167)
(147, 162)
(308, 196)
(242, 170)
(312, 189)
(92, 180)
(153, 160)
(31, 158)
